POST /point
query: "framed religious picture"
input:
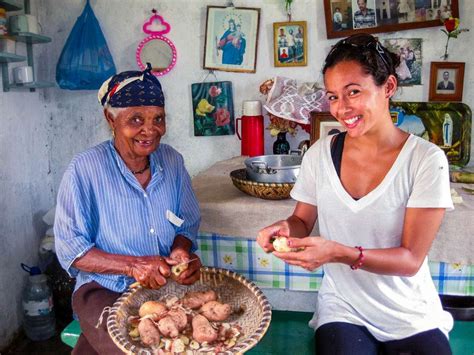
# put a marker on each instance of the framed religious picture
(289, 44)
(410, 52)
(231, 38)
(347, 17)
(323, 124)
(446, 81)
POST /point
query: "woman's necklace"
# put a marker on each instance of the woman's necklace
(138, 172)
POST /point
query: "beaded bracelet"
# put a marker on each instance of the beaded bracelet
(360, 260)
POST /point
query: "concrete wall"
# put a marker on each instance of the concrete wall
(40, 132)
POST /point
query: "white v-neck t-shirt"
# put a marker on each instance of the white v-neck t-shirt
(390, 307)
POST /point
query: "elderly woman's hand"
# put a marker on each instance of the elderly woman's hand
(149, 271)
(192, 273)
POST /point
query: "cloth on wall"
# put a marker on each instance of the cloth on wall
(294, 101)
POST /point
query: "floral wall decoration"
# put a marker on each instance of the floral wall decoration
(213, 108)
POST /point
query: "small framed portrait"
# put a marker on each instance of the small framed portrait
(290, 44)
(323, 124)
(231, 38)
(446, 81)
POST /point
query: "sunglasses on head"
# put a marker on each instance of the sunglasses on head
(362, 41)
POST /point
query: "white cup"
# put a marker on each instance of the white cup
(23, 74)
(32, 24)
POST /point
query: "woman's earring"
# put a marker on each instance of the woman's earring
(113, 133)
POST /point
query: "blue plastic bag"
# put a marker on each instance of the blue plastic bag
(85, 62)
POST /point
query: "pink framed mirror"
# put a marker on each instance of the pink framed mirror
(156, 48)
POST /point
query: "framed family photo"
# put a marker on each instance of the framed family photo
(347, 17)
(323, 124)
(410, 52)
(446, 81)
(290, 44)
(231, 39)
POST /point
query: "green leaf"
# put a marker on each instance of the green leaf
(445, 32)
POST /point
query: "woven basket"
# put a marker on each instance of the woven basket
(267, 191)
(232, 288)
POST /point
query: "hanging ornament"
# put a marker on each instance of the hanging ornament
(288, 8)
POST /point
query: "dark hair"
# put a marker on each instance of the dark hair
(366, 50)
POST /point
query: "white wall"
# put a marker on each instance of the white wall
(40, 132)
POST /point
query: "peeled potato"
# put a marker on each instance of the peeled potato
(151, 307)
(281, 244)
(178, 269)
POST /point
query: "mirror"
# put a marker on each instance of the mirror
(156, 49)
(159, 51)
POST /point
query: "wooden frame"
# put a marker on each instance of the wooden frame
(387, 19)
(231, 38)
(321, 125)
(290, 44)
(446, 81)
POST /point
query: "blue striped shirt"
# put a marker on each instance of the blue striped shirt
(101, 204)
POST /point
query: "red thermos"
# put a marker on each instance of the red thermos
(251, 124)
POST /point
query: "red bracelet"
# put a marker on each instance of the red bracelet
(360, 260)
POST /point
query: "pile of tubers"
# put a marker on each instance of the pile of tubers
(194, 323)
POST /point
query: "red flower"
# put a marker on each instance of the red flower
(214, 91)
(222, 117)
(451, 24)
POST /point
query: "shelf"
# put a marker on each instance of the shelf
(33, 85)
(9, 6)
(28, 37)
(11, 57)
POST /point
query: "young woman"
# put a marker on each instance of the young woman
(379, 195)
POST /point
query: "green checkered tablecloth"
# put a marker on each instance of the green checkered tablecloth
(245, 257)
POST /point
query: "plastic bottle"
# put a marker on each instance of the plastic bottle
(39, 321)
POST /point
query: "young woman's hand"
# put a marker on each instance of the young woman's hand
(267, 234)
(316, 251)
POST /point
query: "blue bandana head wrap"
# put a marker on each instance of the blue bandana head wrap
(132, 88)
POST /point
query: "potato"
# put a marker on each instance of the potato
(281, 244)
(462, 177)
(202, 330)
(149, 334)
(195, 300)
(151, 307)
(168, 327)
(179, 318)
(216, 311)
(178, 269)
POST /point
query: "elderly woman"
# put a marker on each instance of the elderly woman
(126, 210)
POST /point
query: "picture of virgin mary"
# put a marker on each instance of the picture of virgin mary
(231, 39)
(232, 44)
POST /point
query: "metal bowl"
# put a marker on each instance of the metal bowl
(460, 307)
(279, 169)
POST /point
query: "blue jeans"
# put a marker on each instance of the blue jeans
(340, 338)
